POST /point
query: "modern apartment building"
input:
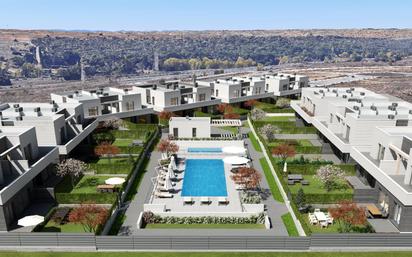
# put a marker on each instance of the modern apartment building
(190, 127)
(56, 124)
(105, 102)
(175, 96)
(237, 89)
(374, 131)
(285, 84)
(24, 170)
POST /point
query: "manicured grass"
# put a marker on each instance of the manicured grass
(262, 105)
(205, 226)
(271, 180)
(87, 184)
(114, 161)
(206, 254)
(332, 228)
(316, 187)
(51, 226)
(123, 142)
(233, 130)
(289, 224)
(299, 142)
(279, 118)
(240, 111)
(254, 141)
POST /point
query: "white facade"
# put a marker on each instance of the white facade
(190, 127)
(103, 101)
(285, 84)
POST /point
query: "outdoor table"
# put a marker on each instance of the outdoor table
(106, 188)
(320, 216)
(373, 210)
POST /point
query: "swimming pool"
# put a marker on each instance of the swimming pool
(204, 177)
(204, 150)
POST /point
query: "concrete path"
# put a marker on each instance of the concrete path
(274, 208)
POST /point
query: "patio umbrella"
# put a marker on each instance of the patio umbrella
(114, 181)
(168, 184)
(170, 172)
(234, 150)
(31, 220)
(173, 162)
(235, 160)
(285, 167)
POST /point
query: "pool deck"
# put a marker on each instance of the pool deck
(274, 209)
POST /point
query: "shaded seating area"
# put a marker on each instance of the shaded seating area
(106, 188)
(318, 217)
(297, 178)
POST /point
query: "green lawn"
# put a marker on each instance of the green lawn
(113, 161)
(332, 228)
(316, 187)
(240, 111)
(233, 130)
(299, 142)
(206, 254)
(262, 105)
(279, 118)
(87, 184)
(123, 142)
(51, 226)
(271, 180)
(205, 226)
(289, 224)
(254, 141)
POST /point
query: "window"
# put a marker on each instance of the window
(174, 101)
(347, 132)
(153, 100)
(193, 132)
(267, 87)
(402, 123)
(175, 132)
(331, 118)
(129, 106)
(217, 92)
(94, 111)
(397, 213)
(202, 97)
(285, 87)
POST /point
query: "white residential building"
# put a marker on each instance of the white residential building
(285, 84)
(190, 127)
(61, 125)
(105, 102)
(176, 96)
(24, 169)
(373, 130)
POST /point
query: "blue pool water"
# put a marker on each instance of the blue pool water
(204, 150)
(204, 177)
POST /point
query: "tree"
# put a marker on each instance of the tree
(231, 116)
(90, 216)
(250, 103)
(224, 108)
(112, 123)
(257, 114)
(167, 147)
(330, 176)
(282, 102)
(348, 215)
(268, 131)
(71, 167)
(300, 198)
(249, 178)
(164, 117)
(284, 151)
(106, 149)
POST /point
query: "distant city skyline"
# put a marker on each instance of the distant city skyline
(203, 15)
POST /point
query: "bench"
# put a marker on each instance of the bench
(106, 188)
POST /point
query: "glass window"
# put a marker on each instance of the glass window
(94, 111)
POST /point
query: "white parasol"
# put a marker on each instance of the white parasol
(31, 220)
(114, 181)
(234, 150)
(235, 160)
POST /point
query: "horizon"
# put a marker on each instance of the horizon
(180, 15)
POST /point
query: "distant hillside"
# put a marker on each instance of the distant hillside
(121, 53)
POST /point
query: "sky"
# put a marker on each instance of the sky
(149, 15)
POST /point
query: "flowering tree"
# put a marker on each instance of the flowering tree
(282, 102)
(257, 114)
(90, 216)
(248, 177)
(112, 123)
(105, 149)
(71, 167)
(231, 116)
(250, 103)
(268, 131)
(167, 147)
(330, 176)
(348, 215)
(284, 151)
(224, 108)
(164, 117)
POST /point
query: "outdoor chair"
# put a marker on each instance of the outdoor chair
(304, 183)
(205, 200)
(188, 200)
(223, 201)
(163, 194)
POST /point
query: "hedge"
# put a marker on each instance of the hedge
(278, 110)
(133, 134)
(326, 198)
(98, 198)
(130, 149)
(111, 168)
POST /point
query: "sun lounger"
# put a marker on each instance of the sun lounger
(163, 194)
(205, 200)
(188, 200)
(223, 200)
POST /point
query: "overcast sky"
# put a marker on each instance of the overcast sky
(144, 15)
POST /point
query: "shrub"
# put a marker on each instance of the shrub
(257, 114)
(250, 198)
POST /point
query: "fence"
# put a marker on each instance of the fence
(333, 242)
